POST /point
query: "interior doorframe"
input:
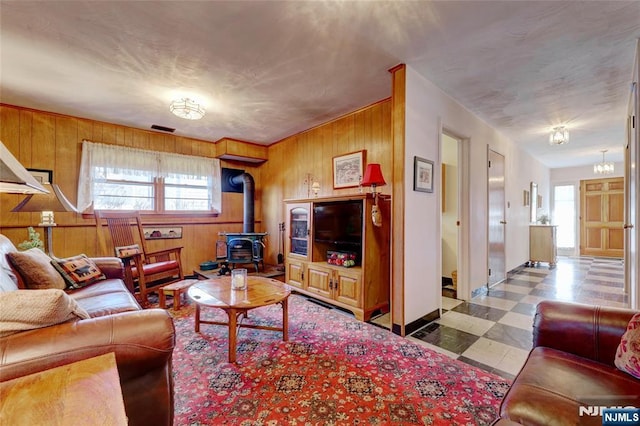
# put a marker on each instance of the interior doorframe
(464, 209)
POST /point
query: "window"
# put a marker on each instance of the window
(564, 215)
(121, 178)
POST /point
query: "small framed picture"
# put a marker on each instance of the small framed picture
(348, 170)
(41, 175)
(422, 175)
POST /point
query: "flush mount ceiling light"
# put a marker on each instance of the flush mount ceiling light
(604, 167)
(559, 135)
(186, 108)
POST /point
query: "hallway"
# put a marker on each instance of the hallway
(494, 330)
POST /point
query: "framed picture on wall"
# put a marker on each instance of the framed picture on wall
(41, 175)
(422, 175)
(348, 169)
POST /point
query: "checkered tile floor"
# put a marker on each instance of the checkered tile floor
(494, 330)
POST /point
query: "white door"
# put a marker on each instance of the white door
(497, 219)
(632, 205)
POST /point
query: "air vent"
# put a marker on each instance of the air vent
(162, 128)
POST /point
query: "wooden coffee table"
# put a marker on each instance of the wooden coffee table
(217, 293)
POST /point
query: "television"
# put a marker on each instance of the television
(338, 223)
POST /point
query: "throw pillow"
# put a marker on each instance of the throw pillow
(36, 270)
(30, 309)
(124, 251)
(78, 271)
(628, 353)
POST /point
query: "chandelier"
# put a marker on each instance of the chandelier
(559, 135)
(186, 108)
(604, 167)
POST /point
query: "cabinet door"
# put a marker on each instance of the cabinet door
(318, 279)
(347, 287)
(299, 230)
(295, 273)
(542, 243)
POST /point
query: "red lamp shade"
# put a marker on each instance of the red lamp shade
(373, 176)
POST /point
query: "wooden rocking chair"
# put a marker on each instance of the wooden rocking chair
(145, 272)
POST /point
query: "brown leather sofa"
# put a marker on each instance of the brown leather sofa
(142, 340)
(570, 366)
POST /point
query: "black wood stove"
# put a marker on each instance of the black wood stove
(245, 247)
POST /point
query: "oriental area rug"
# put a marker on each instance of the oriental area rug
(334, 370)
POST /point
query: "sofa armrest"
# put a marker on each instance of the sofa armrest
(112, 267)
(591, 332)
(142, 341)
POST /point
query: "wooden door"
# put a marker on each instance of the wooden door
(602, 217)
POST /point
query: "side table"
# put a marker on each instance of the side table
(175, 290)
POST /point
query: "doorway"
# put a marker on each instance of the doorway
(564, 215)
(449, 194)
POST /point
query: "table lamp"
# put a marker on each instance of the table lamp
(46, 204)
(373, 178)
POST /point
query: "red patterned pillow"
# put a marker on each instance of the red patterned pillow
(125, 251)
(78, 271)
(628, 353)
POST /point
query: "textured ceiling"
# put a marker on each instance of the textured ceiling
(265, 69)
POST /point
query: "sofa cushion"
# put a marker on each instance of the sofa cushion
(562, 383)
(156, 267)
(30, 309)
(78, 271)
(628, 353)
(35, 268)
(105, 298)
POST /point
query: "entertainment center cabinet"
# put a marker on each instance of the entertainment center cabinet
(341, 226)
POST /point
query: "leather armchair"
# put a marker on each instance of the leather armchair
(570, 366)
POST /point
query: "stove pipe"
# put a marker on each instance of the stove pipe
(248, 219)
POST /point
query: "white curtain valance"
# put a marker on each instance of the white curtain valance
(143, 164)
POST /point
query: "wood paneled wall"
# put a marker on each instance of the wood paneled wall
(42, 140)
(312, 151)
